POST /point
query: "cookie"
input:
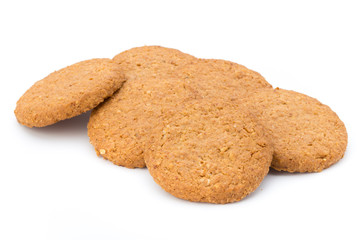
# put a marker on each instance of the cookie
(224, 78)
(141, 62)
(158, 79)
(307, 135)
(117, 129)
(210, 151)
(69, 92)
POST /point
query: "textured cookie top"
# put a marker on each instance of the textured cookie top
(209, 152)
(69, 92)
(223, 78)
(159, 78)
(307, 135)
(147, 61)
(119, 127)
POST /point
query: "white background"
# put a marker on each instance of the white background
(53, 186)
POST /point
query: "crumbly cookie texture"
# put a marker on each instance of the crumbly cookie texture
(69, 92)
(307, 135)
(223, 78)
(118, 127)
(209, 151)
(159, 79)
(151, 61)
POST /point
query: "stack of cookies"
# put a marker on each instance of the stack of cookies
(208, 130)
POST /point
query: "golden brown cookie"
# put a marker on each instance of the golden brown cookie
(69, 92)
(119, 127)
(307, 135)
(209, 151)
(159, 79)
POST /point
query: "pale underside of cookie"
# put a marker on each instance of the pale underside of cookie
(209, 151)
(159, 78)
(69, 92)
(307, 135)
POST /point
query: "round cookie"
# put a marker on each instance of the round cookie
(118, 128)
(69, 92)
(157, 79)
(307, 135)
(209, 151)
